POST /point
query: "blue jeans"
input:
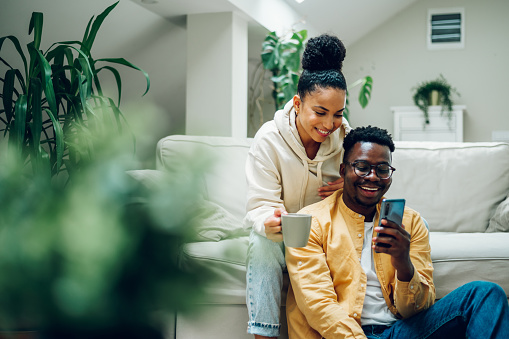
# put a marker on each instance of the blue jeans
(477, 310)
(264, 279)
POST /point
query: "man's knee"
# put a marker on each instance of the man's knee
(486, 288)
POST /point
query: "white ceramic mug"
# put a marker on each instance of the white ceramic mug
(296, 228)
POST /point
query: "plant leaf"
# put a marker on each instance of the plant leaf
(36, 25)
(269, 51)
(86, 80)
(365, 91)
(7, 92)
(122, 61)
(118, 80)
(17, 45)
(59, 139)
(89, 41)
(17, 135)
(46, 81)
(36, 88)
(83, 86)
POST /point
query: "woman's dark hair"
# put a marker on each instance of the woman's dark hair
(322, 62)
(367, 134)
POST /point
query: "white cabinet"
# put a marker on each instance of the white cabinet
(409, 124)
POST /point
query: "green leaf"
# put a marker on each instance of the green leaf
(86, 80)
(36, 25)
(17, 135)
(365, 91)
(122, 61)
(270, 51)
(36, 88)
(89, 40)
(303, 34)
(8, 91)
(87, 30)
(118, 79)
(59, 139)
(83, 89)
(47, 83)
(17, 45)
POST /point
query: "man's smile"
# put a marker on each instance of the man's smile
(369, 191)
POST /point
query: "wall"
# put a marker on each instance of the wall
(396, 55)
(130, 31)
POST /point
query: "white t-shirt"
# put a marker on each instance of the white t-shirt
(375, 310)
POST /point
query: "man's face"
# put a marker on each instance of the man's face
(361, 194)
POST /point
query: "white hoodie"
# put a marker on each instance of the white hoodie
(279, 172)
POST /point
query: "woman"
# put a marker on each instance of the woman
(293, 162)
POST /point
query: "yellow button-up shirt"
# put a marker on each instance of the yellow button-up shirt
(328, 284)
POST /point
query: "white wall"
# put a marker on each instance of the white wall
(216, 74)
(396, 55)
(130, 31)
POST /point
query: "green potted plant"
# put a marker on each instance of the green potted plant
(432, 93)
(281, 55)
(56, 95)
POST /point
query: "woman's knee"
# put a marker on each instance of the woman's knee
(264, 250)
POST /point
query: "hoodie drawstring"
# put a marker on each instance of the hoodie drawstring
(306, 180)
(319, 172)
(304, 184)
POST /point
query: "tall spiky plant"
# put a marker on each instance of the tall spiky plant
(57, 95)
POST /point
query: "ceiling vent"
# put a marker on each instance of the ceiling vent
(446, 28)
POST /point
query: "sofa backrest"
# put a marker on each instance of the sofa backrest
(455, 186)
(223, 178)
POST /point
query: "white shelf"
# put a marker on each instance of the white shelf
(409, 124)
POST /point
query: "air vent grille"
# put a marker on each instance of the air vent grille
(446, 28)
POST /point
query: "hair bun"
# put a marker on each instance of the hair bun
(323, 52)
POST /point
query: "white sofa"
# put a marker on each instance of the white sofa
(460, 188)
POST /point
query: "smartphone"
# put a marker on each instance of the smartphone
(392, 210)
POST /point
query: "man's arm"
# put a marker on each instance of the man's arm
(314, 290)
(411, 258)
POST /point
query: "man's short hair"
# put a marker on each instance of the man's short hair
(367, 134)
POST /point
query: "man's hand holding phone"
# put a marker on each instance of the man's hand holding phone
(393, 239)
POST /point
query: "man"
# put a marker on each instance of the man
(344, 285)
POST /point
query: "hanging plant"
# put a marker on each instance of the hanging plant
(434, 92)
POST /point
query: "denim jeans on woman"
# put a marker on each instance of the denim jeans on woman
(264, 278)
(477, 310)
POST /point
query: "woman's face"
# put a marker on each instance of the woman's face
(319, 114)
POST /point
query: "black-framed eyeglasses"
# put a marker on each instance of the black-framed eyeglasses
(363, 168)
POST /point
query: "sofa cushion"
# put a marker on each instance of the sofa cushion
(223, 181)
(223, 263)
(455, 186)
(459, 258)
(499, 222)
(214, 223)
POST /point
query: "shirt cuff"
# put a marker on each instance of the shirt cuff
(409, 287)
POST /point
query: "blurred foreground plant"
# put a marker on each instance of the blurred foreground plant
(97, 257)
